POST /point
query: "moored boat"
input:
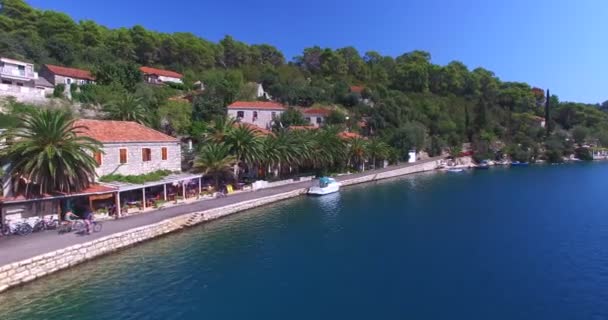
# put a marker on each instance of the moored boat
(519, 164)
(326, 186)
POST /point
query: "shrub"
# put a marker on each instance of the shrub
(138, 179)
(59, 90)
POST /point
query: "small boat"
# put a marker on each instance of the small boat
(519, 164)
(455, 170)
(326, 186)
(483, 166)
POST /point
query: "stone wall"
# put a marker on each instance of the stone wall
(24, 271)
(110, 162)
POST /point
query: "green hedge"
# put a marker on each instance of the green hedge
(139, 179)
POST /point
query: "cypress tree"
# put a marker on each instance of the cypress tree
(548, 113)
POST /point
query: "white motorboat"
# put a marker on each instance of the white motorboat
(326, 186)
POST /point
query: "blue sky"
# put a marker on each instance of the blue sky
(557, 44)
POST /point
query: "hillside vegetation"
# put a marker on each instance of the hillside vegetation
(407, 101)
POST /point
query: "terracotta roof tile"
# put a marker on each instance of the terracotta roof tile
(259, 130)
(317, 111)
(161, 72)
(357, 89)
(120, 131)
(303, 127)
(349, 135)
(92, 189)
(70, 72)
(257, 105)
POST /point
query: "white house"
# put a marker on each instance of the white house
(316, 116)
(130, 148)
(160, 76)
(18, 79)
(259, 113)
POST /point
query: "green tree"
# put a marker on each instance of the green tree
(246, 145)
(377, 150)
(579, 134)
(291, 117)
(126, 75)
(49, 154)
(215, 160)
(176, 115)
(127, 108)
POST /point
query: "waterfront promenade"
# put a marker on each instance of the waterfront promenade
(17, 249)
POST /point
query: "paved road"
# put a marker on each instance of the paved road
(16, 248)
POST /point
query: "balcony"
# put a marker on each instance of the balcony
(18, 74)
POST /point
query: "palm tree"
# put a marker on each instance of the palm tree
(377, 150)
(215, 160)
(218, 129)
(327, 148)
(357, 152)
(284, 148)
(50, 152)
(245, 144)
(127, 108)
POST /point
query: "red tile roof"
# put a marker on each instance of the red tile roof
(357, 89)
(253, 127)
(161, 72)
(91, 190)
(70, 72)
(256, 105)
(303, 127)
(120, 131)
(317, 111)
(349, 135)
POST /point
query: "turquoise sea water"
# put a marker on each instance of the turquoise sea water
(521, 243)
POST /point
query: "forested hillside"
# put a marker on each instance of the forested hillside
(408, 101)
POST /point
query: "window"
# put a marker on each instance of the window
(255, 115)
(273, 114)
(240, 114)
(19, 84)
(68, 81)
(164, 153)
(97, 156)
(319, 120)
(6, 82)
(123, 156)
(146, 154)
(307, 119)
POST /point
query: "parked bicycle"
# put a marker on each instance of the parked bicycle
(21, 228)
(42, 224)
(79, 226)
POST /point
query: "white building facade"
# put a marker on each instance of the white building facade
(258, 113)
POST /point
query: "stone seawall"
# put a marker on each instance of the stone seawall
(20, 272)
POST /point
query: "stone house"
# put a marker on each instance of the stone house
(64, 75)
(130, 148)
(316, 116)
(259, 113)
(160, 76)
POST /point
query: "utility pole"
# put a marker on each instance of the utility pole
(548, 113)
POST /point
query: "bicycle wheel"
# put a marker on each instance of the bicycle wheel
(6, 230)
(78, 226)
(24, 229)
(39, 226)
(52, 224)
(97, 226)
